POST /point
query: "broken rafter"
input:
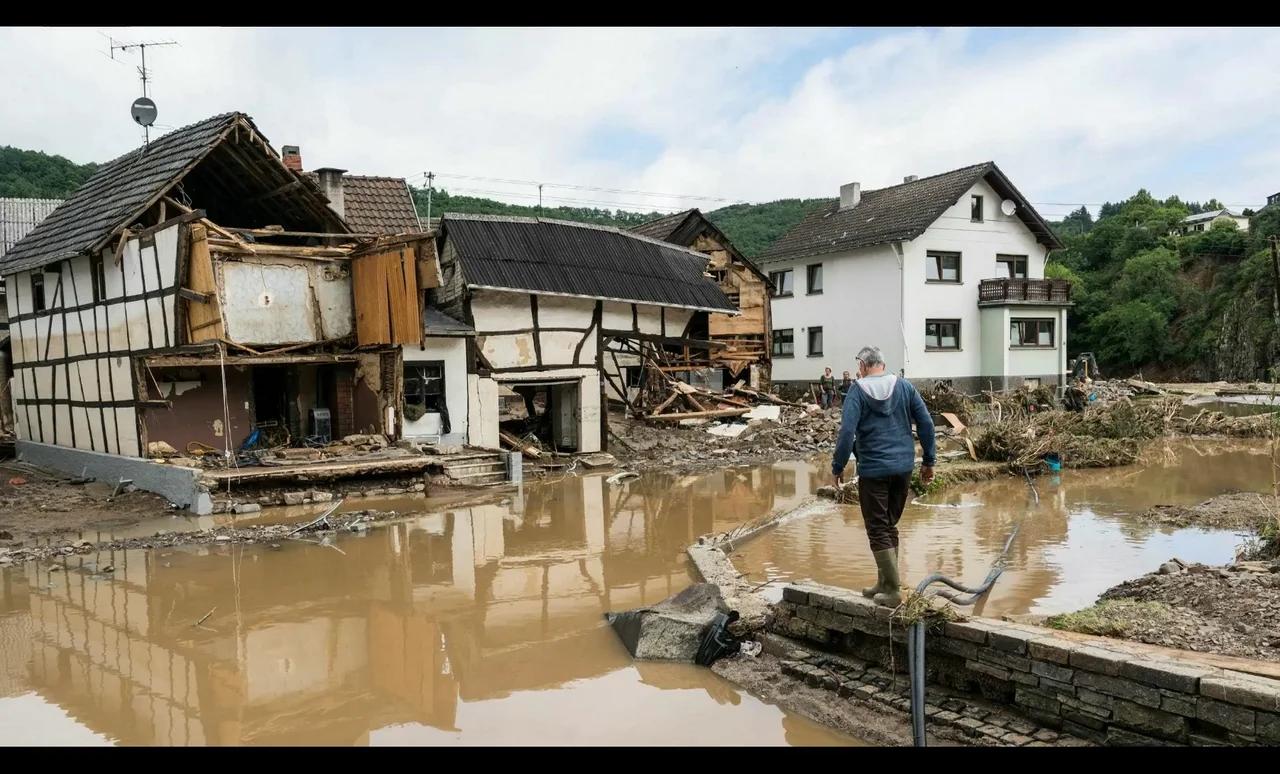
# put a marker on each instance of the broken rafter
(736, 412)
(323, 234)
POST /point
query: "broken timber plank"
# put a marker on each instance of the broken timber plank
(520, 446)
(698, 415)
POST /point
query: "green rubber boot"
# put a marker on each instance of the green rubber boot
(890, 594)
(885, 560)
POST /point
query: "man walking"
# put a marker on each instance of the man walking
(878, 413)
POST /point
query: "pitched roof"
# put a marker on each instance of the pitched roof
(123, 189)
(1212, 214)
(898, 213)
(559, 257)
(19, 216)
(437, 323)
(683, 228)
(377, 205)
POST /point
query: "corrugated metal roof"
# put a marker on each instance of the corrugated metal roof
(683, 228)
(560, 257)
(116, 193)
(19, 216)
(662, 228)
(897, 213)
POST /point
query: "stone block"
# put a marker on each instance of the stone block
(962, 648)
(1103, 662)
(1008, 640)
(829, 619)
(1120, 687)
(946, 717)
(1083, 732)
(990, 670)
(1024, 678)
(1052, 671)
(858, 607)
(1165, 674)
(969, 726)
(1267, 727)
(1178, 703)
(1228, 716)
(972, 630)
(1152, 722)
(1018, 739)
(295, 498)
(1035, 699)
(1007, 660)
(795, 595)
(1119, 737)
(1050, 649)
(1246, 690)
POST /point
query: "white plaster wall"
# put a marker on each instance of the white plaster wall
(1025, 361)
(267, 304)
(497, 310)
(560, 312)
(859, 306)
(978, 245)
(482, 412)
(510, 351)
(453, 351)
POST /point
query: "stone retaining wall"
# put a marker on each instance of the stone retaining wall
(1086, 687)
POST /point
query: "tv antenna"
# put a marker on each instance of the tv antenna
(143, 108)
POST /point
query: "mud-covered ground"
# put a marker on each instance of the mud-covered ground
(35, 504)
(1250, 511)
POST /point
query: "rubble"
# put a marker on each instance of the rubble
(672, 630)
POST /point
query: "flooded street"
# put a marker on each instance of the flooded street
(475, 624)
(1075, 543)
(482, 623)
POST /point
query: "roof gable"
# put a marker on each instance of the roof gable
(683, 229)
(899, 213)
(222, 164)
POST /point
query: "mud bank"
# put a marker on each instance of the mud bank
(639, 446)
(1249, 511)
(35, 504)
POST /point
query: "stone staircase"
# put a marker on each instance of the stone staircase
(478, 469)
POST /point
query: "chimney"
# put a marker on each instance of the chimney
(331, 187)
(909, 179)
(850, 195)
(292, 157)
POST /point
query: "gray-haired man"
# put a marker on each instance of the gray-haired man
(878, 413)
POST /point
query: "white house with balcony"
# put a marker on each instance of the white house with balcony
(1203, 221)
(944, 273)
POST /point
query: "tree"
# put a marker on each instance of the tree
(1131, 334)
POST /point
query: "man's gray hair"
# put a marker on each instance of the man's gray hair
(871, 356)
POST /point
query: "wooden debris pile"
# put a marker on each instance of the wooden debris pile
(684, 401)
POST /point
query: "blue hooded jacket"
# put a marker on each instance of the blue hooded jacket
(880, 431)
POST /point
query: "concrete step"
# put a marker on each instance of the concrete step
(481, 479)
(476, 467)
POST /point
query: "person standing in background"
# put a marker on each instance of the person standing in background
(827, 388)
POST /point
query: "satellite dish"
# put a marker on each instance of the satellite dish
(143, 111)
(1008, 207)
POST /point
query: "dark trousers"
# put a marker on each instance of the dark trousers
(882, 501)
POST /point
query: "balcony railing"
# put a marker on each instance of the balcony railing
(1024, 291)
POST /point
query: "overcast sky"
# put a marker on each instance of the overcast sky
(753, 114)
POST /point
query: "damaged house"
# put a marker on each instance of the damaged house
(745, 354)
(567, 316)
(201, 293)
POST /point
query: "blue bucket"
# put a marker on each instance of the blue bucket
(1054, 462)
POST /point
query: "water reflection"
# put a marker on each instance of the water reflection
(1073, 543)
(473, 624)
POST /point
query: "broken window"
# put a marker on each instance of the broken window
(942, 267)
(975, 209)
(784, 342)
(1036, 332)
(942, 334)
(815, 278)
(37, 291)
(815, 340)
(423, 389)
(1012, 266)
(781, 282)
(635, 375)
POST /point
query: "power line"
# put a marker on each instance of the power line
(600, 189)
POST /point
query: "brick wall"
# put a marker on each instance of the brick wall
(1103, 690)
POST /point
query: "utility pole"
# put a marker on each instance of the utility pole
(431, 176)
(142, 71)
(539, 198)
(1275, 278)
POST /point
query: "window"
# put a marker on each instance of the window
(815, 278)
(784, 343)
(37, 291)
(1031, 333)
(942, 334)
(975, 209)
(634, 374)
(815, 340)
(1012, 266)
(942, 267)
(781, 282)
(98, 277)
(423, 389)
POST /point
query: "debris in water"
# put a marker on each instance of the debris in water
(618, 478)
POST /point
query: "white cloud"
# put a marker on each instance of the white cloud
(1086, 114)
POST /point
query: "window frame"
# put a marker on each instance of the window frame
(39, 298)
(776, 341)
(938, 347)
(1017, 323)
(1010, 258)
(809, 340)
(775, 277)
(98, 277)
(976, 206)
(936, 256)
(808, 279)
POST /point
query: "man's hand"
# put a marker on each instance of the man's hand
(839, 480)
(926, 474)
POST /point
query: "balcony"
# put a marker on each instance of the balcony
(1031, 292)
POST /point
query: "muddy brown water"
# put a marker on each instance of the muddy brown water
(467, 624)
(482, 623)
(1076, 542)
